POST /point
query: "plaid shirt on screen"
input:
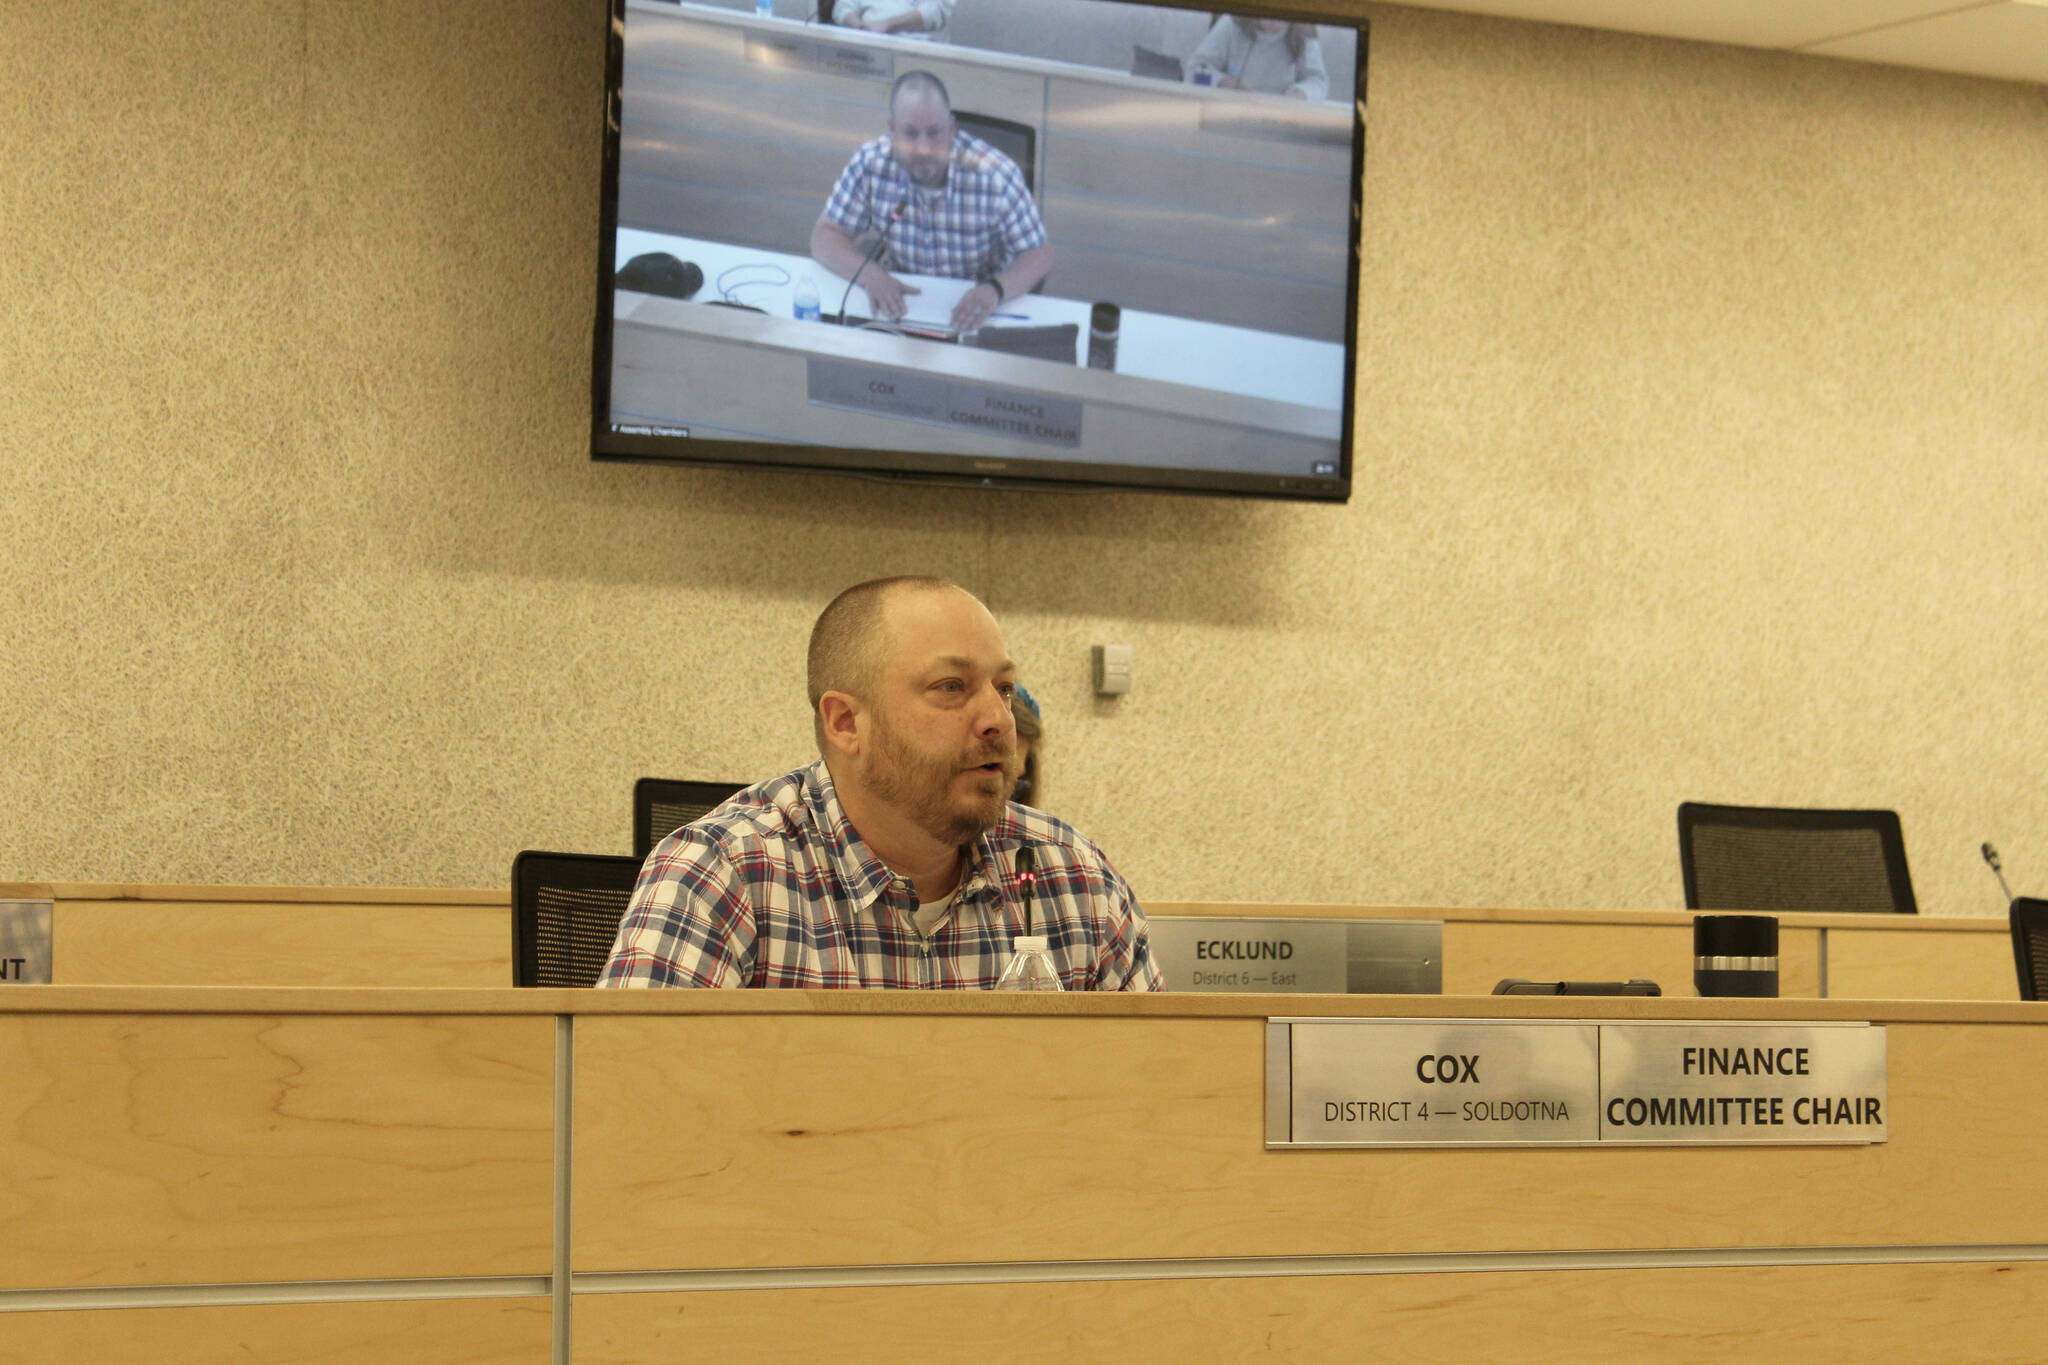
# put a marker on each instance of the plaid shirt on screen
(775, 888)
(969, 230)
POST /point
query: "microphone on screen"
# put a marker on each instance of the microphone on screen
(1991, 857)
(657, 272)
(874, 254)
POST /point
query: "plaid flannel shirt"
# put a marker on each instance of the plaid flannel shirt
(775, 888)
(969, 230)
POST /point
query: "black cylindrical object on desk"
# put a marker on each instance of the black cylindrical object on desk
(1735, 955)
(1105, 320)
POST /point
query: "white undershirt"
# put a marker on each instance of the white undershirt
(928, 915)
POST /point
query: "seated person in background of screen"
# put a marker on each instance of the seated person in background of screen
(1268, 55)
(905, 17)
(946, 202)
(892, 860)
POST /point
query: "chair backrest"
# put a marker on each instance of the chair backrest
(2030, 946)
(1160, 66)
(663, 805)
(1017, 141)
(565, 914)
(1777, 860)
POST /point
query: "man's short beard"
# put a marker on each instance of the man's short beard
(922, 789)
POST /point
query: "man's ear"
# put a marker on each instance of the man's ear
(840, 715)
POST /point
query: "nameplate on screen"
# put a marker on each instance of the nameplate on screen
(1476, 1082)
(25, 942)
(1013, 414)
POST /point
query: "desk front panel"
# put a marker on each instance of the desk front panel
(185, 1149)
(444, 1332)
(709, 1142)
(1922, 963)
(1983, 1313)
(280, 943)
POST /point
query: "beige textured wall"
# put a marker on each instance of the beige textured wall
(1700, 455)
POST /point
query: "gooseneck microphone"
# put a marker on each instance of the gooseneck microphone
(874, 254)
(1027, 881)
(1991, 857)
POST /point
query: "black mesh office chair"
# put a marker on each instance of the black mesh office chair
(1017, 141)
(565, 914)
(662, 805)
(2030, 946)
(1784, 861)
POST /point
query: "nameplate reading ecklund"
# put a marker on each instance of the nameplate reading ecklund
(25, 942)
(1447, 1083)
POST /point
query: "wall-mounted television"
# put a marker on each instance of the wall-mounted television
(1033, 243)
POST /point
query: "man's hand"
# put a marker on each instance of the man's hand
(886, 292)
(975, 306)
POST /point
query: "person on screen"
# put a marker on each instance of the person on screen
(906, 17)
(945, 203)
(892, 859)
(1268, 55)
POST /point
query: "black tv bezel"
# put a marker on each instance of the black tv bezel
(958, 470)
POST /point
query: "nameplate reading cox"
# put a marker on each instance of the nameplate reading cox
(1479, 1082)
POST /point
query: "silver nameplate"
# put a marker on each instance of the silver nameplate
(1450, 1083)
(1015, 414)
(1321, 956)
(25, 942)
(1689, 1082)
(1378, 1083)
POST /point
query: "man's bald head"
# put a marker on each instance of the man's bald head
(919, 84)
(850, 642)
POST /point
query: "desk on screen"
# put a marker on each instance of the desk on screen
(1184, 393)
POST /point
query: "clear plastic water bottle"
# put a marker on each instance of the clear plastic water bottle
(806, 303)
(765, 8)
(1032, 969)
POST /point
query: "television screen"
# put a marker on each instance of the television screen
(1064, 243)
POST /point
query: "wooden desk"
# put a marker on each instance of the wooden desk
(943, 1177)
(157, 935)
(130, 934)
(1837, 957)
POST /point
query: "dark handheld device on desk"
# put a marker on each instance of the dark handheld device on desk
(1516, 985)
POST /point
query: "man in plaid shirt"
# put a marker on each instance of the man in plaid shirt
(891, 861)
(944, 202)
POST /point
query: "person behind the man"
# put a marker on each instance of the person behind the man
(1269, 55)
(906, 17)
(946, 203)
(892, 860)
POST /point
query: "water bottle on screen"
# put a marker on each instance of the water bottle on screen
(806, 302)
(1032, 969)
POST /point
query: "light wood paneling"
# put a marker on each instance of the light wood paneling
(714, 1129)
(1984, 1314)
(1914, 964)
(177, 1149)
(1476, 955)
(285, 943)
(446, 1332)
